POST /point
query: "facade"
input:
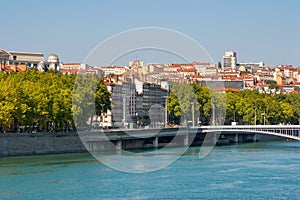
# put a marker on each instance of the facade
(52, 63)
(153, 104)
(250, 66)
(136, 63)
(205, 69)
(73, 66)
(21, 58)
(138, 104)
(115, 70)
(13, 61)
(224, 84)
(27, 58)
(79, 68)
(229, 60)
(124, 104)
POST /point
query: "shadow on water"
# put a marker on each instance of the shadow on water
(279, 145)
(65, 160)
(46, 160)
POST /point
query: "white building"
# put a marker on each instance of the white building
(250, 66)
(205, 69)
(229, 60)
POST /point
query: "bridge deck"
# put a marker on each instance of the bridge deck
(286, 131)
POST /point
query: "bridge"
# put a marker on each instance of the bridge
(185, 136)
(285, 131)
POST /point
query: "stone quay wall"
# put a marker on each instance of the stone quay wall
(17, 144)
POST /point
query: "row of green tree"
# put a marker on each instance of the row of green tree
(48, 101)
(44, 101)
(244, 107)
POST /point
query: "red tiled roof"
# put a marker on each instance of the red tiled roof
(201, 63)
(70, 70)
(21, 68)
(294, 92)
(71, 63)
(226, 89)
(174, 65)
(187, 70)
(282, 85)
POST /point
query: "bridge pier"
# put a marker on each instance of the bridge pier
(119, 145)
(254, 138)
(186, 140)
(155, 142)
(236, 138)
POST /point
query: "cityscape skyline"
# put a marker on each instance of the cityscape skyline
(260, 31)
(160, 99)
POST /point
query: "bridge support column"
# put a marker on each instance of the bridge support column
(254, 138)
(236, 138)
(155, 142)
(119, 145)
(186, 140)
(216, 137)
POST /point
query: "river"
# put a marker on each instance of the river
(265, 170)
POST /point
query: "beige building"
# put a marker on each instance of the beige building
(116, 70)
(278, 76)
(73, 66)
(21, 58)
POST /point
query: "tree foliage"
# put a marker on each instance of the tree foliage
(43, 101)
(241, 107)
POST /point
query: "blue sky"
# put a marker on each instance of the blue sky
(257, 30)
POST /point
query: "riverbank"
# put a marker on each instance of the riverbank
(22, 144)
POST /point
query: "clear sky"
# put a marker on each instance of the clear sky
(258, 30)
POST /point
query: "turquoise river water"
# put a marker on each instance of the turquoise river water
(269, 170)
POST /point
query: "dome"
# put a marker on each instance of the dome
(53, 58)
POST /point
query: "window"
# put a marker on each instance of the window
(14, 57)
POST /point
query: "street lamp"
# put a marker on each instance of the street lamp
(255, 116)
(166, 111)
(213, 120)
(234, 115)
(124, 102)
(264, 114)
(193, 113)
(265, 117)
(102, 106)
(137, 120)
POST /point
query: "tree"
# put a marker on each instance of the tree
(102, 98)
(270, 82)
(219, 65)
(9, 104)
(36, 99)
(90, 98)
(84, 99)
(181, 102)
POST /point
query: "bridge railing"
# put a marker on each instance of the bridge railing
(250, 126)
(291, 130)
